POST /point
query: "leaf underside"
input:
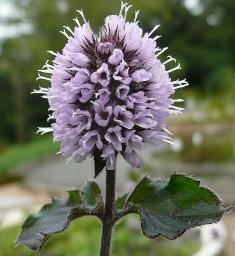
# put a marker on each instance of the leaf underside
(172, 206)
(56, 216)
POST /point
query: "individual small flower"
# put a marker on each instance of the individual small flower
(105, 48)
(110, 92)
(109, 154)
(102, 75)
(103, 114)
(123, 117)
(103, 95)
(81, 76)
(80, 59)
(122, 73)
(122, 92)
(116, 57)
(141, 76)
(85, 93)
(90, 139)
(114, 137)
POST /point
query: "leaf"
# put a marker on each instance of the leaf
(120, 204)
(92, 197)
(172, 206)
(56, 216)
(99, 162)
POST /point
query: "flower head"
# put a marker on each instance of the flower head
(109, 92)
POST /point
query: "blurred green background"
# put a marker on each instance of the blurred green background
(199, 33)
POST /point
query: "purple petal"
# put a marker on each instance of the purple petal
(102, 75)
(116, 57)
(145, 120)
(102, 118)
(103, 95)
(105, 48)
(114, 136)
(122, 73)
(122, 92)
(80, 59)
(90, 139)
(133, 159)
(109, 155)
(123, 117)
(86, 91)
(82, 76)
(141, 75)
(133, 141)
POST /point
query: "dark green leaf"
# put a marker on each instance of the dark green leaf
(56, 216)
(91, 195)
(120, 204)
(170, 207)
(99, 162)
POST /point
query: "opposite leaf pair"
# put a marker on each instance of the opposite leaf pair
(166, 207)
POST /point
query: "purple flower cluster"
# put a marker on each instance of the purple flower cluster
(109, 92)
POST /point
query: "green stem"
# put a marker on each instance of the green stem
(108, 217)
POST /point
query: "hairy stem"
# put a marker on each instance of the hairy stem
(108, 217)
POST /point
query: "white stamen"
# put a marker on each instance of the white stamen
(176, 108)
(42, 78)
(136, 16)
(44, 130)
(169, 59)
(126, 10)
(40, 91)
(167, 131)
(46, 71)
(82, 15)
(168, 138)
(156, 38)
(157, 49)
(65, 34)
(122, 8)
(175, 68)
(153, 30)
(48, 66)
(52, 53)
(178, 100)
(162, 51)
(175, 112)
(77, 22)
(177, 81)
(169, 141)
(50, 117)
(181, 84)
(69, 29)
